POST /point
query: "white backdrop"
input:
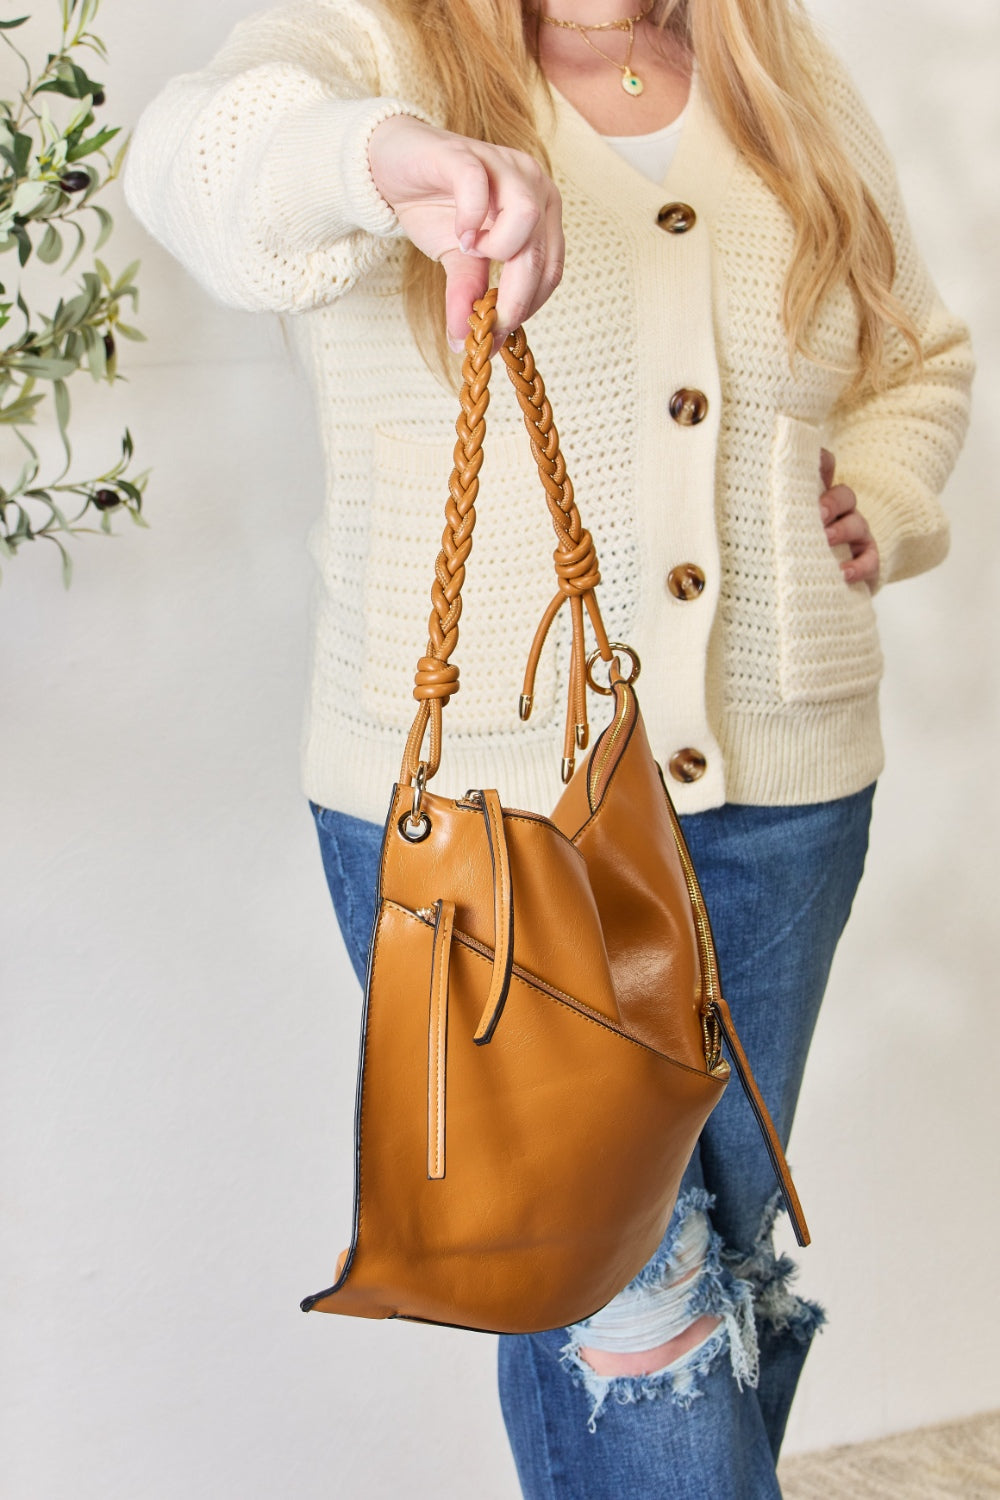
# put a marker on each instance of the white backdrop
(179, 1021)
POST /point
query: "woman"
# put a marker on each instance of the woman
(741, 302)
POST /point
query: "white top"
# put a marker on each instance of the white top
(254, 172)
(651, 154)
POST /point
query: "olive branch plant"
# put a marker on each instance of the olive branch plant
(54, 163)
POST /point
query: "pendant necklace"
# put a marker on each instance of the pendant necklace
(631, 82)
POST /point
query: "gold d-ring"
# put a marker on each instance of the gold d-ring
(596, 656)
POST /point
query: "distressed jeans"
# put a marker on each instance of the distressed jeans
(778, 883)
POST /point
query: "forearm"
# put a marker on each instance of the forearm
(254, 172)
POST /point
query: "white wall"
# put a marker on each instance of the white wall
(179, 1022)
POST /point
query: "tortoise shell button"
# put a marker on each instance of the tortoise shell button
(676, 218)
(688, 407)
(686, 581)
(688, 765)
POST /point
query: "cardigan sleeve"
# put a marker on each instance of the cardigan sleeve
(254, 172)
(896, 446)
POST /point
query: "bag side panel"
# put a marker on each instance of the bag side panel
(566, 1142)
(645, 909)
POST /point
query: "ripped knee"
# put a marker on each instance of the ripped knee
(649, 1359)
(662, 1334)
(693, 1303)
(778, 1309)
(649, 1326)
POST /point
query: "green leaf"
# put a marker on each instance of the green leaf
(97, 355)
(10, 25)
(21, 411)
(23, 147)
(81, 240)
(88, 10)
(57, 515)
(27, 476)
(128, 332)
(106, 222)
(92, 143)
(120, 155)
(62, 405)
(123, 284)
(51, 247)
(71, 81)
(28, 197)
(45, 369)
(88, 39)
(67, 563)
(60, 394)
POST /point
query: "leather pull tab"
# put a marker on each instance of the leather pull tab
(760, 1109)
(437, 1038)
(503, 917)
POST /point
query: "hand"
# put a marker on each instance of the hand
(838, 506)
(465, 203)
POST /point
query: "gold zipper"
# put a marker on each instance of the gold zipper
(606, 750)
(711, 1030)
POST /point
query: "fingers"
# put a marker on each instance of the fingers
(853, 531)
(531, 274)
(851, 528)
(526, 236)
(846, 526)
(836, 502)
(468, 276)
(827, 465)
(466, 203)
(472, 188)
(863, 566)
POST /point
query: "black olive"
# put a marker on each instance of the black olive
(107, 499)
(74, 182)
(109, 346)
(99, 98)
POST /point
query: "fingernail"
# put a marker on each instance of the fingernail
(467, 240)
(850, 574)
(824, 511)
(455, 345)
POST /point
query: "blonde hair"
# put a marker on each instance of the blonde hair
(758, 61)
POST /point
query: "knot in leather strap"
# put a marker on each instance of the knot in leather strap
(576, 567)
(575, 558)
(435, 679)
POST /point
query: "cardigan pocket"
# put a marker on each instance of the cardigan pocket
(509, 580)
(828, 637)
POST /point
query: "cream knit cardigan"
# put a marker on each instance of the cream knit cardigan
(254, 173)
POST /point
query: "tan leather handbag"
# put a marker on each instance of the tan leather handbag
(542, 1027)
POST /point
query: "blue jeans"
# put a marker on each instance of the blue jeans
(778, 883)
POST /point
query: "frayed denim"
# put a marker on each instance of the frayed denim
(779, 884)
(669, 1294)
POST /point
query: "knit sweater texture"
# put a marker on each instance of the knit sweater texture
(254, 173)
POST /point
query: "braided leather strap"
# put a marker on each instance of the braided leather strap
(577, 572)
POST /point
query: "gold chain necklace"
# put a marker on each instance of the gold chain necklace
(631, 82)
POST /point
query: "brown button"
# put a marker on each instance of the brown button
(677, 218)
(688, 407)
(688, 765)
(686, 581)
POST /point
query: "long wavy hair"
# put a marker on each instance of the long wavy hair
(757, 60)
